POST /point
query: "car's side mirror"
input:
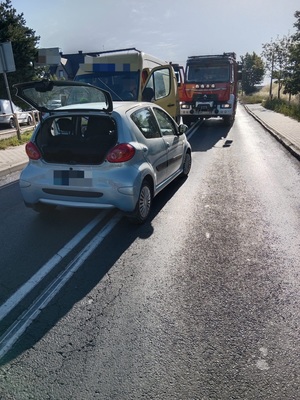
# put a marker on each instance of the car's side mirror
(182, 128)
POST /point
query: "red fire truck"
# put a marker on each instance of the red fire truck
(210, 88)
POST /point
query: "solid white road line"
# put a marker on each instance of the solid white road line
(8, 339)
(42, 272)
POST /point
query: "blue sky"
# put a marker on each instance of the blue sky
(168, 29)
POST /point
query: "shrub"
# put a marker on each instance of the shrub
(14, 141)
(284, 107)
(252, 99)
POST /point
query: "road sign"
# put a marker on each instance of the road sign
(47, 57)
(7, 62)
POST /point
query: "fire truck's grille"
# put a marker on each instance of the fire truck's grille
(205, 97)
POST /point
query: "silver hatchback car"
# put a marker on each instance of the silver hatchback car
(91, 152)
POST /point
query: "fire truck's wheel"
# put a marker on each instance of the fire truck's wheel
(228, 120)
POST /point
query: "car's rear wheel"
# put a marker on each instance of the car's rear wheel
(187, 164)
(143, 205)
(12, 123)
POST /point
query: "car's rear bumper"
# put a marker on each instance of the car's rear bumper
(90, 190)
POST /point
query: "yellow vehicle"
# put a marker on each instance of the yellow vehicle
(131, 75)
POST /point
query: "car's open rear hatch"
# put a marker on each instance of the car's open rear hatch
(76, 139)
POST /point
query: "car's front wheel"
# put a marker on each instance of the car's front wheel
(143, 205)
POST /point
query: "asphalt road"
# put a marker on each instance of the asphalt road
(201, 303)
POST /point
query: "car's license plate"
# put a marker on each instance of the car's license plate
(72, 178)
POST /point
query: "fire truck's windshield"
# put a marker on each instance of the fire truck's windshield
(121, 85)
(207, 74)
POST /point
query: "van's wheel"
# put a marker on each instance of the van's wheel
(29, 121)
(143, 205)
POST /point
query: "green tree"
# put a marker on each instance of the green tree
(292, 84)
(277, 61)
(24, 45)
(253, 71)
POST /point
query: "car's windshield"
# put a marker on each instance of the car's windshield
(207, 74)
(122, 85)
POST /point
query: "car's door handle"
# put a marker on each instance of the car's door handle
(171, 105)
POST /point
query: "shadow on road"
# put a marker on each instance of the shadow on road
(89, 275)
(208, 134)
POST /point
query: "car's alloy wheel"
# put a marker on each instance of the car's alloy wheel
(143, 205)
(12, 123)
(186, 164)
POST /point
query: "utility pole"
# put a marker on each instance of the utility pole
(272, 68)
(7, 64)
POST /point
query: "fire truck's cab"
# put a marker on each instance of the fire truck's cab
(210, 88)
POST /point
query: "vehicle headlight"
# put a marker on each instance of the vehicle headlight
(185, 106)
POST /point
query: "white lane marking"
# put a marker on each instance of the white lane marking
(42, 272)
(261, 363)
(8, 339)
(193, 129)
(264, 351)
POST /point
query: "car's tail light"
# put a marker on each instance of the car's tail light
(120, 153)
(32, 151)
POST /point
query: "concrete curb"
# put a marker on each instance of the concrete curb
(293, 149)
(12, 168)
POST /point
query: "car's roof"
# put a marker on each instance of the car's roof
(118, 106)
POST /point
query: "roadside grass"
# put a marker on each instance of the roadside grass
(14, 141)
(284, 105)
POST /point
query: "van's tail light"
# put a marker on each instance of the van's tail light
(120, 153)
(32, 151)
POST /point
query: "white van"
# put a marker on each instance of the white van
(6, 115)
